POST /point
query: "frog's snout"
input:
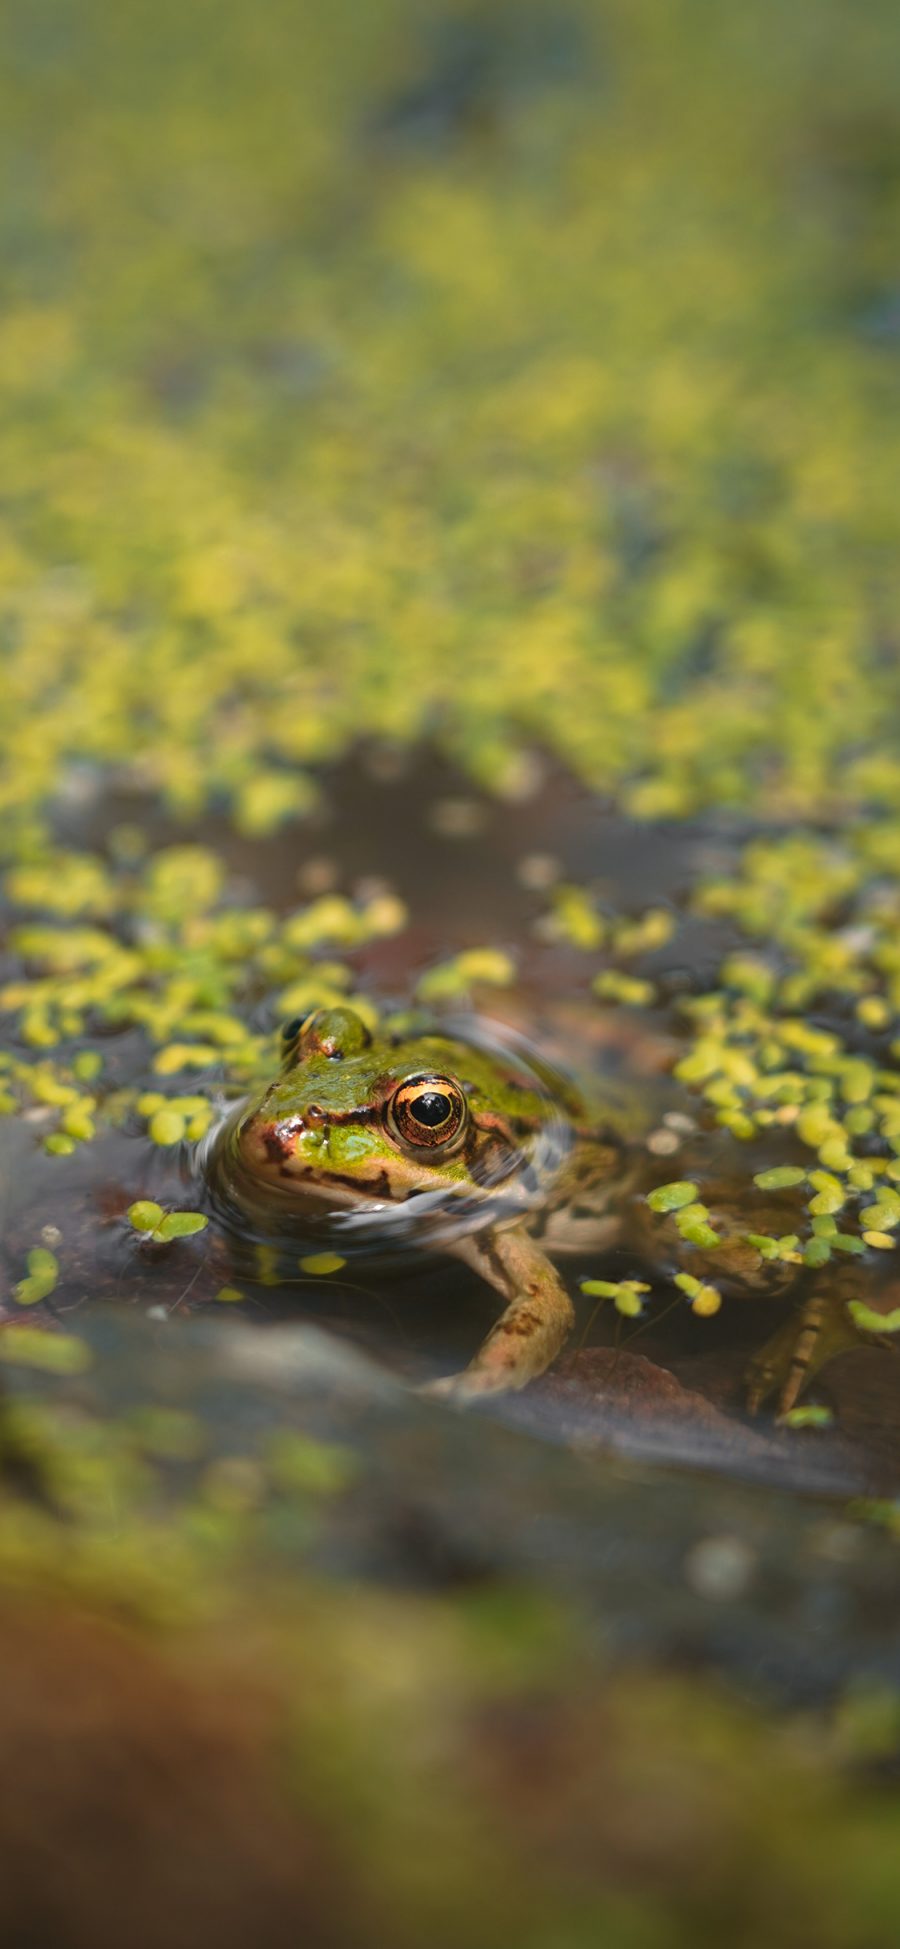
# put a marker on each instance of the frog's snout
(268, 1143)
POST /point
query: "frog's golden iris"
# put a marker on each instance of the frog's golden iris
(428, 1110)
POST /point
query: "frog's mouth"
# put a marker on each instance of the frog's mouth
(269, 1176)
(270, 1183)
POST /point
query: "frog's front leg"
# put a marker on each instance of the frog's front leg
(534, 1326)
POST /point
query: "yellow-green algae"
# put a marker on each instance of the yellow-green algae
(823, 912)
(192, 968)
(627, 1295)
(568, 414)
(342, 400)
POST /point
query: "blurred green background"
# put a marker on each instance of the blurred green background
(505, 372)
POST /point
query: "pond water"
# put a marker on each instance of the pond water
(474, 875)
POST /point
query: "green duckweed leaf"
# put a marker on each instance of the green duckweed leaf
(43, 1272)
(810, 1414)
(180, 1224)
(672, 1197)
(780, 1178)
(145, 1215)
(866, 1318)
(167, 1126)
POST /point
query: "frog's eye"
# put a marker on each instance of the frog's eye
(427, 1110)
(291, 1034)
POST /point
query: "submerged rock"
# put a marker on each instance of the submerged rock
(204, 1452)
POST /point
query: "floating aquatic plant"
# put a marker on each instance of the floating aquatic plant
(161, 1227)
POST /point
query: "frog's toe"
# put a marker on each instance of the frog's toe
(784, 1367)
(776, 1375)
(761, 1379)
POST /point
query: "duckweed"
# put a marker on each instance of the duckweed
(152, 1222)
(870, 1321)
(517, 502)
(779, 1179)
(166, 1127)
(811, 1414)
(573, 917)
(610, 985)
(145, 1215)
(491, 966)
(43, 1272)
(453, 476)
(705, 1300)
(775, 1248)
(298, 1465)
(693, 1225)
(51, 1353)
(672, 1197)
(627, 1295)
(195, 959)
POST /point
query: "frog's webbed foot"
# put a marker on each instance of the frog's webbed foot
(799, 1350)
(529, 1333)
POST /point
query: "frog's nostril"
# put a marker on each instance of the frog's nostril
(314, 1114)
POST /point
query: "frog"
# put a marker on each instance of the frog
(440, 1135)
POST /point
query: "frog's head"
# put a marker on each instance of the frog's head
(379, 1118)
